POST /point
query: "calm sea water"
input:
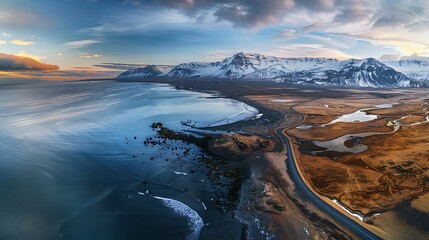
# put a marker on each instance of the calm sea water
(73, 164)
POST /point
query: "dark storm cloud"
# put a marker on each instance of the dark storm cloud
(241, 13)
(412, 14)
(254, 13)
(258, 13)
(16, 63)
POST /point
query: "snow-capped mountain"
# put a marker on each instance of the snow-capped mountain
(251, 65)
(362, 73)
(321, 71)
(147, 71)
(193, 69)
(237, 66)
(413, 68)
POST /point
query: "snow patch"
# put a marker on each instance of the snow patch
(348, 211)
(247, 112)
(358, 116)
(384, 106)
(282, 100)
(304, 126)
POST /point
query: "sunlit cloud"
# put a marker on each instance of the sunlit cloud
(28, 55)
(21, 42)
(80, 43)
(2, 42)
(10, 62)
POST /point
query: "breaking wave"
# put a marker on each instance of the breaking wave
(195, 222)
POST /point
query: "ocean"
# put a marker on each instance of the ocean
(74, 165)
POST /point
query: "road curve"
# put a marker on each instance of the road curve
(353, 226)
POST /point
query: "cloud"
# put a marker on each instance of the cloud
(10, 62)
(331, 40)
(390, 57)
(219, 55)
(79, 44)
(354, 11)
(2, 42)
(89, 55)
(309, 50)
(5, 34)
(254, 13)
(285, 34)
(311, 28)
(242, 13)
(259, 13)
(18, 18)
(21, 42)
(24, 54)
(119, 66)
(407, 13)
(415, 56)
(318, 5)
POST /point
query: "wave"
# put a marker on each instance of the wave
(195, 222)
(247, 112)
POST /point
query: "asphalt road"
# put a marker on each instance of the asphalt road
(322, 205)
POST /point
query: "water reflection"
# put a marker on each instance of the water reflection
(73, 160)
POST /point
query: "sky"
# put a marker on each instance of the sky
(84, 38)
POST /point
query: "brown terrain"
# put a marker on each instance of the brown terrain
(385, 182)
(392, 170)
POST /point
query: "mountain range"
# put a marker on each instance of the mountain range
(367, 72)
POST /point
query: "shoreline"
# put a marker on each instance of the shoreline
(275, 187)
(270, 117)
(269, 200)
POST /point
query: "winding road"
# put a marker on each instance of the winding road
(353, 226)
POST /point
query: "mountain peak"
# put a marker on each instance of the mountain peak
(367, 72)
(143, 72)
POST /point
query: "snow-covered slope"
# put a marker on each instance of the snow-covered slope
(361, 73)
(321, 71)
(148, 71)
(253, 65)
(274, 71)
(412, 68)
(194, 69)
(239, 65)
